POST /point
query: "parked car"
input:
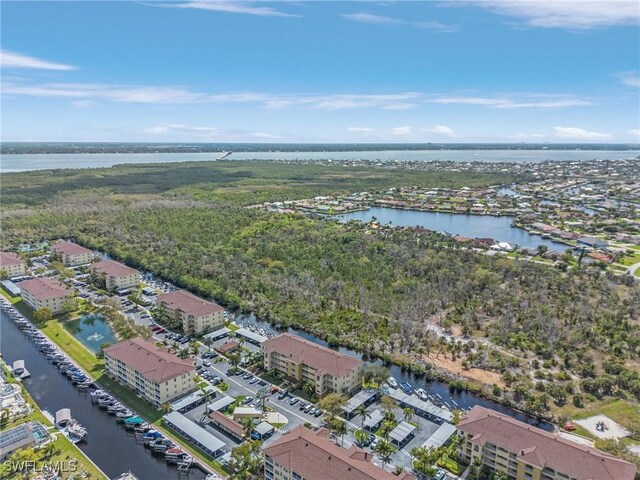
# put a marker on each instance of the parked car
(283, 394)
(369, 440)
(247, 376)
(206, 363)
(308, 408)
(302, 406)
(293, 401)
(254, 380)
(318, 413)
(246, 401)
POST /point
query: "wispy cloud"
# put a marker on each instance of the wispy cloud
(526, 136)
(16, 60)
(402, 131)
(634, 132)
(537, 101)
(442, 130)
(360, 129)
(370, 18)
(178, 131)
(575, 133)
(567, 14)
(230, 7)
(629, 78)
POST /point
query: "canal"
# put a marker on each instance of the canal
(473, 226)
(434, 388)
(108, 445)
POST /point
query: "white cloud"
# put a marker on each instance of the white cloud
(442, 130)
(17, 60)
(510, 103)
(370, 18)
(360, 129)
(402, 131)
(179, 132)
(230, 7)
(634, 132)
(82, 103)
(575, 133)
(527, 136)
(568, 14)
(630, 78)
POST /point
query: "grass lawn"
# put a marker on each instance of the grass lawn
(629, 260)
(84, 357)
(621, 411)
(451, 464)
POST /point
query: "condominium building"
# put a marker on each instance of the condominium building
(46, 292)
(114, 275)
(154, 373)
(523, 452)
(12, 264)
(302, 453)
(72, 254)
(196, 314)
(304, 361)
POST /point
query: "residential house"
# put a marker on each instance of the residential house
(12, 264)
(72, 254)
(196, 314)
(112, 275)
(46, 292)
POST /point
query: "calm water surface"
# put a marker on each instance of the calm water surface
(108, 445)
(92, 331)
(17, 163)
(474, 226)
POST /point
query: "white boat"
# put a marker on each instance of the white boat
(421, 394)
(77, 431)
(393, 383)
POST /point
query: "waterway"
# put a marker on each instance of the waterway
(22, 162)
(110, 447)
(474, 226)
(92, 331)
(434, 388)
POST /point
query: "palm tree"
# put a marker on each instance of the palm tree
(408, 413)
(361, 411)
(208, 341)
(249, 427)
(309, 388)
(340, 430)
(166, 407)
(384, 449)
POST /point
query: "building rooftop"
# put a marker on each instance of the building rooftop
(314, 457)
(113, 268)
(321, 358)
(154, 363)
(543, 449)
(10, 258)
(189, 303)
(69, 248)
(227, 423)
(43, 288)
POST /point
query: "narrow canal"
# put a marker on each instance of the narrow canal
(435, 388)
(108, 445)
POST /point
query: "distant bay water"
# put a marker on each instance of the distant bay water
(45, 161)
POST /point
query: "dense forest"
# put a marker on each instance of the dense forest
(552, 336)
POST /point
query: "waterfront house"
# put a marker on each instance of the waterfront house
(154, 373)
(523, 452)
(46, 292)
(71, 254)
(21, 437)
(112, 275)
(196, 314)
(12, 264)
(303, 453)
(592, 242)
(303, 361)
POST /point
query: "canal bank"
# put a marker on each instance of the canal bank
(108, 445)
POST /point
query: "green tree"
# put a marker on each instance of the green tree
(248, 426)
(332, 403)
(246, 461)
(384, 450)
(408, 413)
(42, 315)
(339, 428)
(309, 388)
(362, 412)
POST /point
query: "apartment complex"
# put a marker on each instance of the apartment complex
(304, 361)
(302, 453)
(154, 373)
(72, 254)
(46, 292)
(114, 275)
(523, 452)
(196, 314)
(12, 264)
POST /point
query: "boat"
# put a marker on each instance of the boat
(142, 428)
(123, 415)
(173, 454)
(77, 431)
(421, 394)
(252, 327)
(406, 388)
(151, 436)
(392, 382)
(133, 421)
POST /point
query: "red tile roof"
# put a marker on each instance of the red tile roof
(314, 457)
(69, 248)
(10, 258)
(227, 423)
(189, 303)
(543, 449)
(44, 288)
(113, 268)
(321, 358)
(154, 363)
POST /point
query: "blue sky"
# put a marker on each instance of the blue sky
(224, 71)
